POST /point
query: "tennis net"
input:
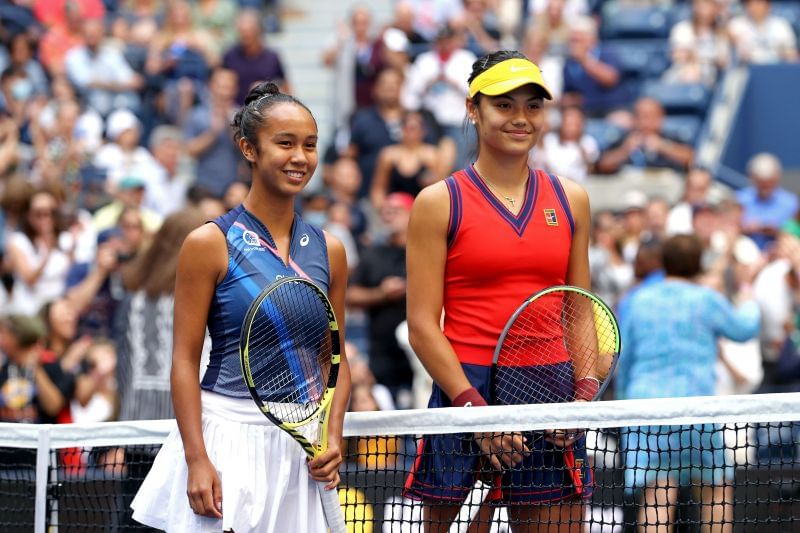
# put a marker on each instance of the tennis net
(729, 463)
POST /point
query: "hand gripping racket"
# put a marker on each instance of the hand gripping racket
(289, 350)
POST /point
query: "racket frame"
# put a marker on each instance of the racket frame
(330, 498)
(564, 288)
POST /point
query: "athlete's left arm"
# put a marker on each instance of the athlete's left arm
(326, 466)
(578, 270)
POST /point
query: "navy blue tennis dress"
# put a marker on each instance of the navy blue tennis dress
(265, 482)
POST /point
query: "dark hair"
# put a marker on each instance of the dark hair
(649, 258)
(252, 117)
(58, 219)
(681, 256)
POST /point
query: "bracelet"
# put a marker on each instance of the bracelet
(469, 398)
(586, 388)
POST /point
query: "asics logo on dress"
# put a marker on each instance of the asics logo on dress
(304, 240)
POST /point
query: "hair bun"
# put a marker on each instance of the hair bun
(265, 88)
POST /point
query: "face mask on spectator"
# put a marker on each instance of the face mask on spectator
(22, 89)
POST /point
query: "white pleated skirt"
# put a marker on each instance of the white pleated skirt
(266, 486)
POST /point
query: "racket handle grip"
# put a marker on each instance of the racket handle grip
(332, 508)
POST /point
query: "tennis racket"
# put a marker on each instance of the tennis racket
(290, 350)
(561, 344)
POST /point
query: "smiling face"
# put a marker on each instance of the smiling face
(286, 156)
(509, 123)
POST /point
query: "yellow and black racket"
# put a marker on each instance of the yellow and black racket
(290, 351)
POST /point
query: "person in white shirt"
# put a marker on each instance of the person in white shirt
(704, 37)
(123, 157)
(759, 37)
(436, 82)
(101, 72)
(39, 255)
(171, 174)
(695, 192)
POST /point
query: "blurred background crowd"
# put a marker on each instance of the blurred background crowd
(115, 144)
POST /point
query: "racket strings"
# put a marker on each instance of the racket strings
(556, 340)
(290, 351)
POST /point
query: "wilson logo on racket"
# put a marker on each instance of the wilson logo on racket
(550, 217)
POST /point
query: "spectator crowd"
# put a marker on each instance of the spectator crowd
(115, 144)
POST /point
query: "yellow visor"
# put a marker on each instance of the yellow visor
(507, 76)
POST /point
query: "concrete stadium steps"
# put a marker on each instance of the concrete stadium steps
(308, 26)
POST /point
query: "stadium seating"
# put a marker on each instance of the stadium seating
(605, 133)
(635, 22)
(691, 99)
(683, 128)
(640, 58)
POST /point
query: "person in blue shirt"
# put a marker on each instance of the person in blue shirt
(670, 330)
(767, 206)
(592, 77)
(227, 467)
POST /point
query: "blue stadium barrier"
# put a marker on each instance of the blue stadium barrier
(679, 98)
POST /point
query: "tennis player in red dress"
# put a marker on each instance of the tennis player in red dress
(479, 242)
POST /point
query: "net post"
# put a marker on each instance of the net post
(42, 466)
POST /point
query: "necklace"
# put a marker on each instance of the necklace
(491, 185)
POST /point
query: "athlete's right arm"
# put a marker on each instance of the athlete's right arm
(202, 263)
(426, 255)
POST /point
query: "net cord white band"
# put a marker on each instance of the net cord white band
(42, 466)
(596, 415)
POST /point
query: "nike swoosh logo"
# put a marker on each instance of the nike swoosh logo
(517, 69)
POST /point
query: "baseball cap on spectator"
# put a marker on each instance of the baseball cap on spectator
(120, 121)
(28, 330)
(634, 201)
(395, 40)
(108, 234)
(446, 32)
(131, 182)
(400, 199)
(702, 207)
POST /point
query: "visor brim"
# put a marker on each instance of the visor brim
(506, 86)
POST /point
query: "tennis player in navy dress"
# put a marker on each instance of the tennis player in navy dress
(227, 468)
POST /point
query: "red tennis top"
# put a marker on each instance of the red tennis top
(496, 259)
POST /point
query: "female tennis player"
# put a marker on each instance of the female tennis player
(240, 472)
(479, 242)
